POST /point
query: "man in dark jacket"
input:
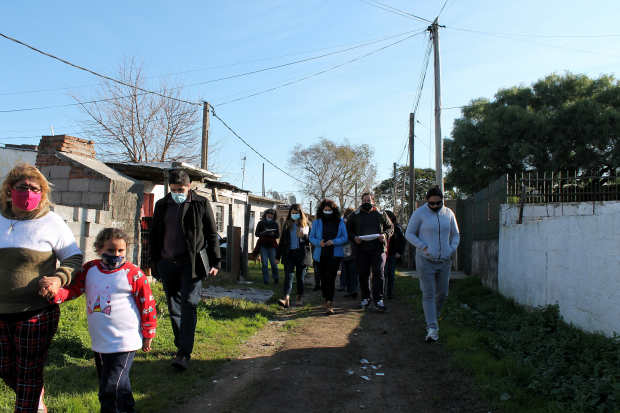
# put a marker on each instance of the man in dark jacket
(184, 247)
(369, 221)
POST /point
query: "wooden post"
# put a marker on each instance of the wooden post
(236, 252)
(246, 241)
(204, 155)
(411, 248)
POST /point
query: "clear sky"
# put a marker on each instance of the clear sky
(366, 101)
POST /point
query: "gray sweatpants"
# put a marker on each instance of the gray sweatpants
(434, 278)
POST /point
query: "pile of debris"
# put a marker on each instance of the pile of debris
(249, 294)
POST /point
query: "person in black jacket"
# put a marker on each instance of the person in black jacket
(184, 247)
(396, 248)
(294, 251)
(268, 232)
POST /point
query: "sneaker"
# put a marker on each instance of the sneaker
(341, 288)
(379, 306)
(180, 362)
(347, 295)
(365, 304)
(317, 288)
(432, 335)
(266, 282)
(276, 282)
(354, 294)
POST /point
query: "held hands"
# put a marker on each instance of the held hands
(381, 237)
(212, 272)
(300, 233)
(146, 344)
(358, 240)
(326, 244)
(425, 249)
(322, 244)
(49, 286)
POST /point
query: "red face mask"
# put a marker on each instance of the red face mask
(26, 201)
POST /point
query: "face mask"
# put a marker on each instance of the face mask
(112, 262)
(366, 206)
(26, 201)
(328, 213)
(436, 208)
(179, 198)
(268, 219)
(295, 216)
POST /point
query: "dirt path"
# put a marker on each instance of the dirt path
(308, 369)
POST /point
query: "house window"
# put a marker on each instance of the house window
(219, 218)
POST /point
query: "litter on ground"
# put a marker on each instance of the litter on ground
(249, 294)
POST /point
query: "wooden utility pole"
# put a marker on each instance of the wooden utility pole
(204, 155)
(410, 248)
(263, 179)
(356, 195)
(394, 194)
(438, 137)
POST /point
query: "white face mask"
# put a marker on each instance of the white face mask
(179, 198)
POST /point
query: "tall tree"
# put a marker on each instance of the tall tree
(560, 123)
(134, 126)
(330, 169)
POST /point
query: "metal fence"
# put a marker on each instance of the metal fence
(542, 188)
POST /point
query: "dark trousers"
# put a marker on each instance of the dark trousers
(114, 388)
(317, 275)
(182, 295)
(328, 270)
(365, 261)
(23, 350)
(390, 272)
(294, 263)
(349, 272)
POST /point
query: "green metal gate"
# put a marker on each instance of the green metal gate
(464, 219)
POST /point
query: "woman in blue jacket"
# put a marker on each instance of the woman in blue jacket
(328, 235)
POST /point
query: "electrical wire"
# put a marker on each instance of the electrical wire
(444, 5)
(255, 151)
(397, 10)
(321, 72)
(95, 73)
(534, 35)
(538, 43)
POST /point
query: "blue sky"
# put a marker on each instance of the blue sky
(367, 101)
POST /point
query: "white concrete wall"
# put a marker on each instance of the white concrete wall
(10, 157)
(573, 260)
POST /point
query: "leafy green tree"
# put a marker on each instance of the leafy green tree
(561, 123)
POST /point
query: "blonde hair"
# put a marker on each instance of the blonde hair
(24, 171)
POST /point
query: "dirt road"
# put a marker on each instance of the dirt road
(319, 364)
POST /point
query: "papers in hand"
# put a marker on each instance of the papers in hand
(369, 237)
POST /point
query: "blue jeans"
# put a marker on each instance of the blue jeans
(182, 296)
(268, 256)
(434, 280)
(114, 386)
(390, 272)
(349, 272)
(294, 265)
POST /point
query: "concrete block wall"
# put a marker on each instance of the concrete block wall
(571, 260)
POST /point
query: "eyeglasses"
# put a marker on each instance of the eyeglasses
(435, 203)
(24, 188)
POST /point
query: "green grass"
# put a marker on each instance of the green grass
(525, 361)
(71, 384)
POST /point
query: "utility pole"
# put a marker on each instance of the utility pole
(263, 179)
(356, 195)
(410, 248)
(245, 157)
(438, 137)
(204, 155)
(395, 181)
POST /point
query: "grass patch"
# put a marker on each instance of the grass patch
(71, 384)
(525, 361)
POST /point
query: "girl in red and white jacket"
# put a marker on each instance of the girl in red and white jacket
(121, 316)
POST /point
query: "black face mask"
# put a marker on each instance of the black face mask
(366, 206)
(436, 208)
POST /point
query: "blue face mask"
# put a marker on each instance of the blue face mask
(295, 216)
(179, 198)
(328, 213)
(112, 262)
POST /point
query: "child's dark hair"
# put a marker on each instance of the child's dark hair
(110, 233)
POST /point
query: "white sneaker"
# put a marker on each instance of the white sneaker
(433, 335)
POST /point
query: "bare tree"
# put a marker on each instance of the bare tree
(134, 126)
(330, 169)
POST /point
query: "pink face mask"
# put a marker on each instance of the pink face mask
(26, 201)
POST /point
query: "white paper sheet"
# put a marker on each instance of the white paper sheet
(369, 237)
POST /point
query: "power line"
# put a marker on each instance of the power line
(538, 43)
(95, 73)
(444, 5)
(534, 35)
(255, 151)
(321, 72)
(213, 67)
(200, 83)
(449, 7)
(397, 10)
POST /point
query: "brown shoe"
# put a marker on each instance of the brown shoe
(328, 306)
(299, 303)
(284, 302)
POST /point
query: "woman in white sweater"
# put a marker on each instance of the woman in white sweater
(32, 239)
